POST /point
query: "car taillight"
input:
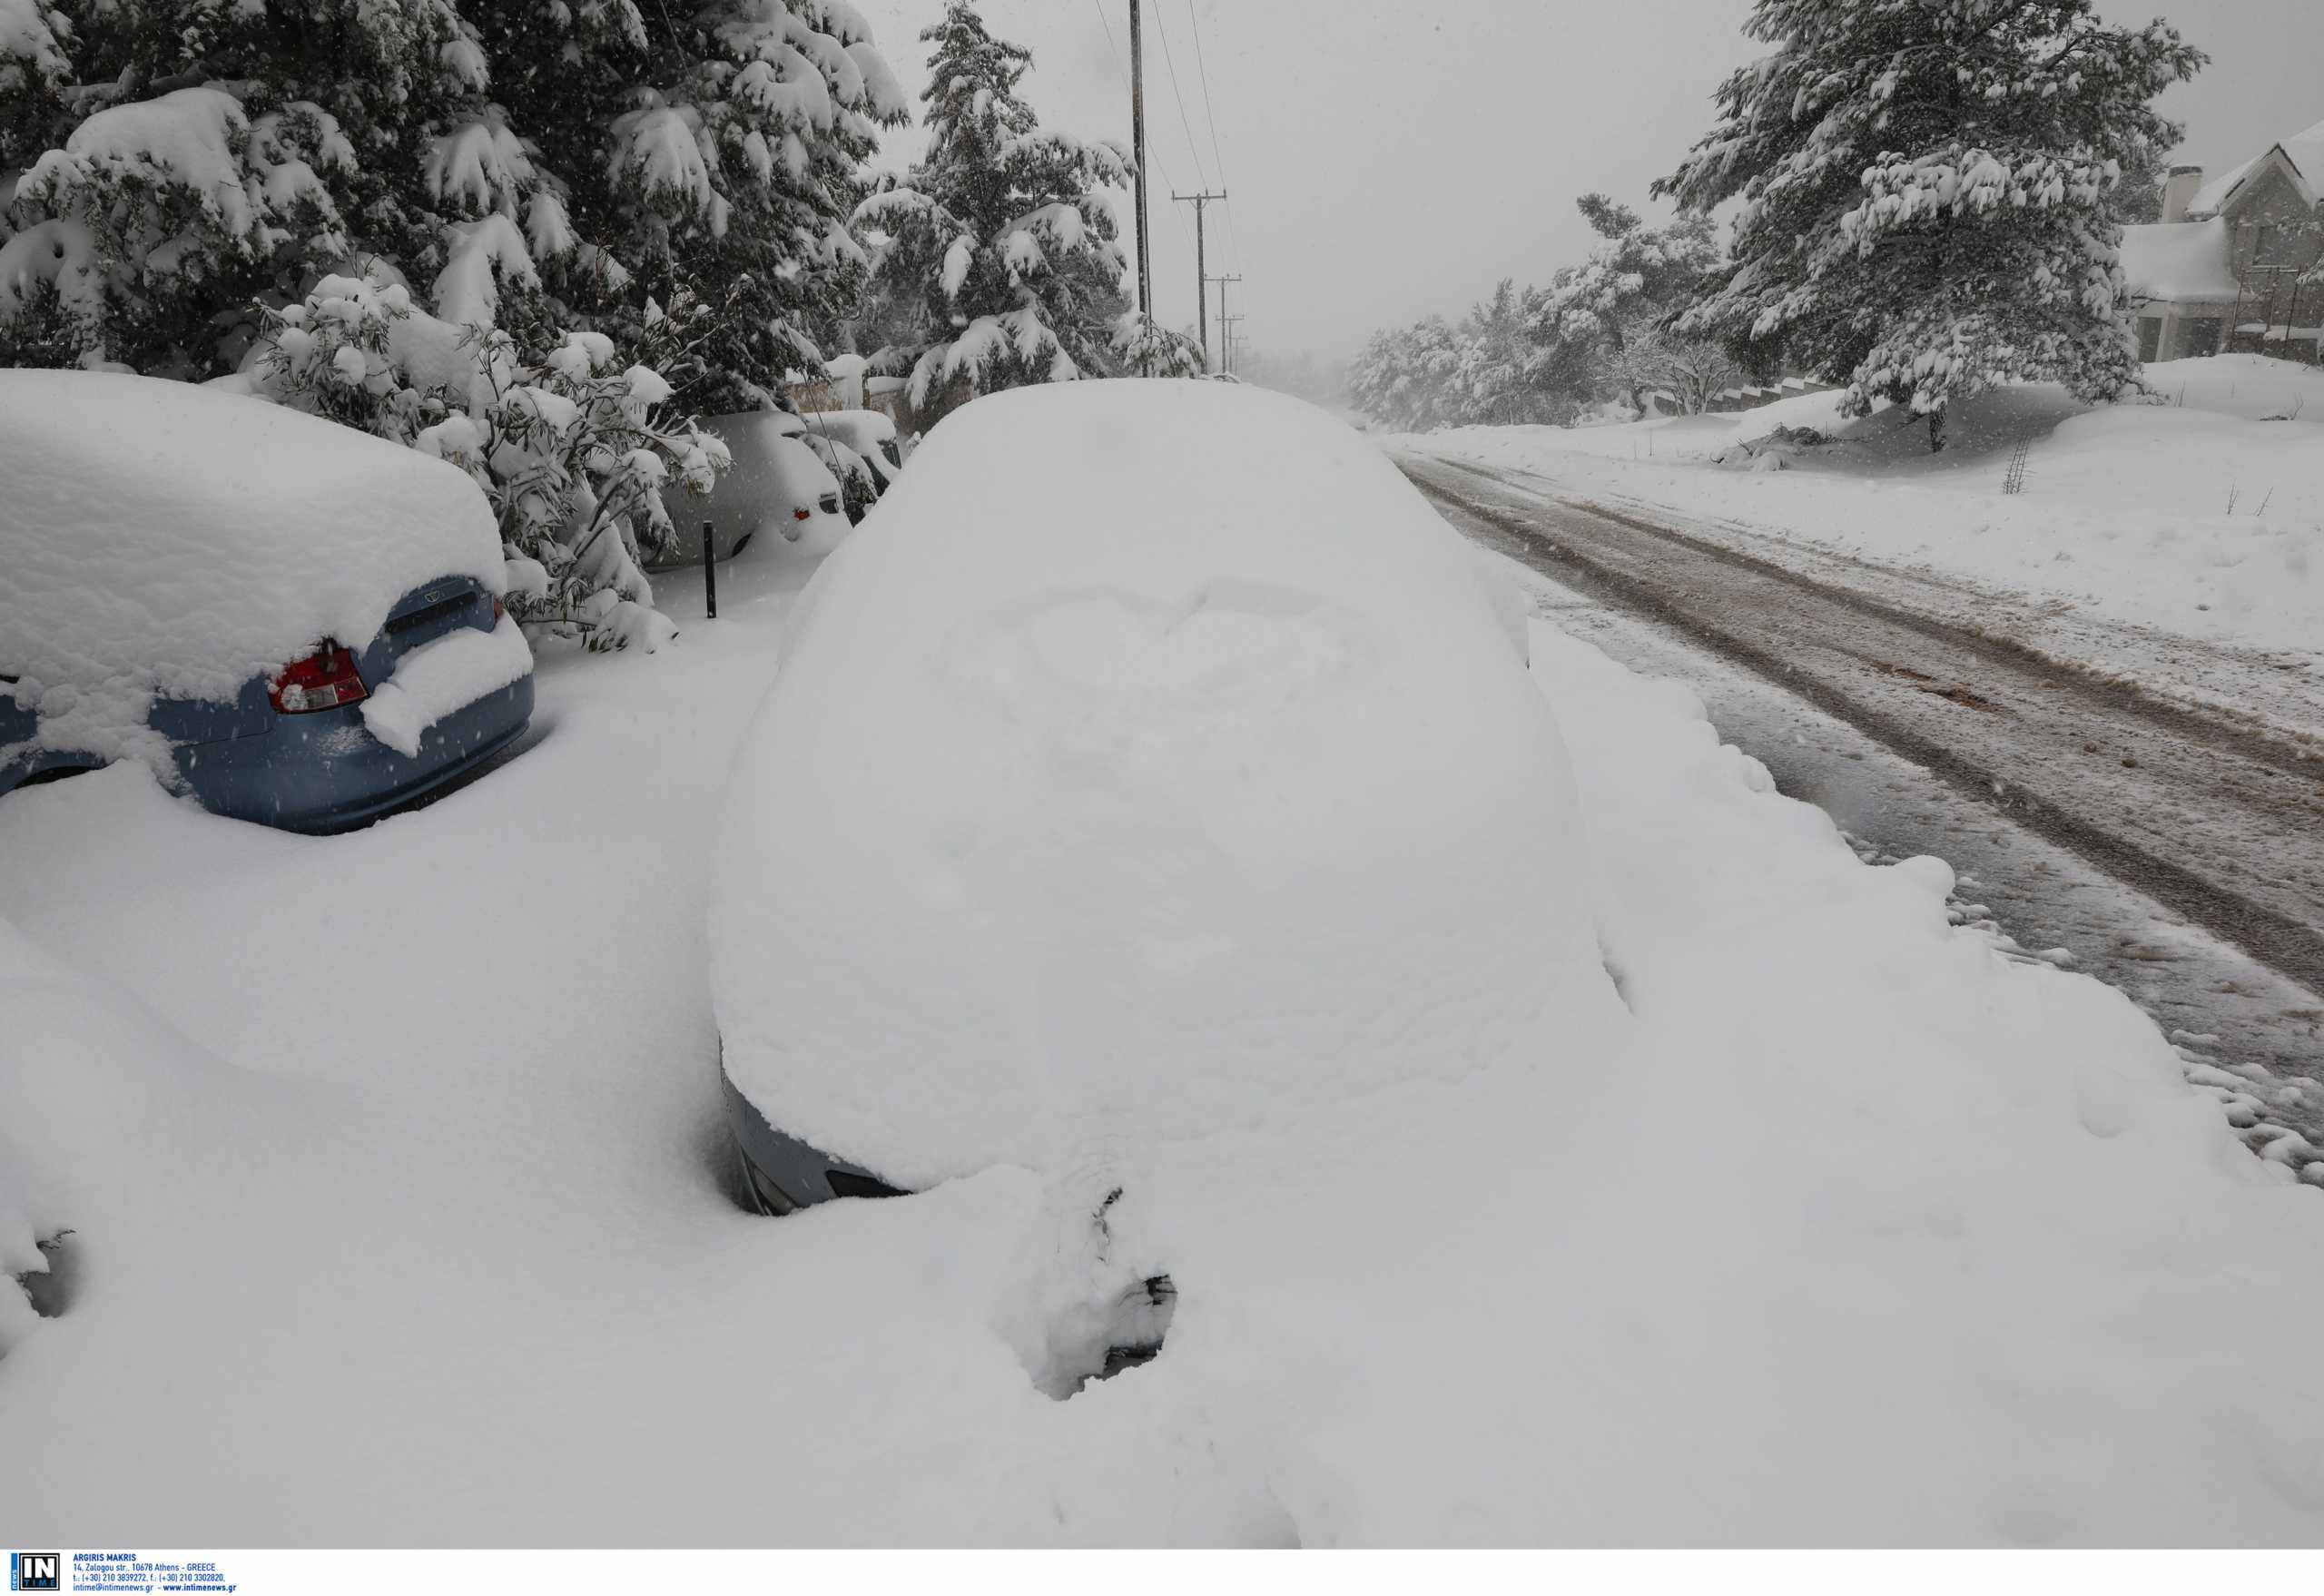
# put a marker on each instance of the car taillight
(500, 608)
(325, 679)
(801, 514)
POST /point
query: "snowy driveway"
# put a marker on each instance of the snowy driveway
(395, 1168)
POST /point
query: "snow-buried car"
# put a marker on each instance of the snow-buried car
(292, 622)
(775, 484)
(1154, 763)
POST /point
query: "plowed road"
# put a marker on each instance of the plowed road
(2223, 828)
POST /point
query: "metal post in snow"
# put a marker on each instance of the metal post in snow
(709, 569)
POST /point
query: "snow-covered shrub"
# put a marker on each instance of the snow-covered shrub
(1927, 194)
(571, 442)
(1403, 377)
(1145, 348)
(993, 262)
(1692, 370)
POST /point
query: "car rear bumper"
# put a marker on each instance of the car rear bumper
(326, 772)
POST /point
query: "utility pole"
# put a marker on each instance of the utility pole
(1201, 294)
(1137, 143)
(1227, 331)
(1222, 282)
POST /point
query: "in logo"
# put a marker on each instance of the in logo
(35, 1571)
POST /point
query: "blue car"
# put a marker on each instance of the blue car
(216, 530)
(292, 750)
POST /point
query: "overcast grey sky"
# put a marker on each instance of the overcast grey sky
(1389, 158)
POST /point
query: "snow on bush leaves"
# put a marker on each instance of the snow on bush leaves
(571, 444)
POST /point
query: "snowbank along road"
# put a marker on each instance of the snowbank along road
(2220, 825)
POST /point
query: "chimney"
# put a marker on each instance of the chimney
(2178, 192)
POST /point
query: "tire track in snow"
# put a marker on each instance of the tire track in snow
(2224, 828)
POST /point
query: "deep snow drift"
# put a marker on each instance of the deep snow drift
(1836, 1226)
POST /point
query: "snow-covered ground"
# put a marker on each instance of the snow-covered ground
(2199, 517)
(397, 1183)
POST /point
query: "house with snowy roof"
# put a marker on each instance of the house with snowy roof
(2236, 262)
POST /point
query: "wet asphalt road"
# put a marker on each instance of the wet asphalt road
(2178, 856)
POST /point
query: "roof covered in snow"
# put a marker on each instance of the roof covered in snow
(2178, 260)
(2303, 152)
(163, 537)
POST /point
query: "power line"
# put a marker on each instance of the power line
(1122, 72)
(1162, 27)
(1210, 115)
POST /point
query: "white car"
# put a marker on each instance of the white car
(1163, 765)
(868, 434)
(776, 486)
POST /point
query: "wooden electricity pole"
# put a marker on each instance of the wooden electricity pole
(1224, 347)
(1138, 145)
(1201, 294)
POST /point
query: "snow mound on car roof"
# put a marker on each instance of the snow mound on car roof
(159, 537)
(1150, 762)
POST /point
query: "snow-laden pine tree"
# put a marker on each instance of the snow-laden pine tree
(1620, 295)
(1490, 371)
(1501, 378)
(1925, 188)
(1408, 378)
(172, 164)
(993, 261)
(713, 148)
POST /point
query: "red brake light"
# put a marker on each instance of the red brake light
(801, 515)
(325, 679)
(500, 608)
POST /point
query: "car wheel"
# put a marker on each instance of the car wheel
(57, 773)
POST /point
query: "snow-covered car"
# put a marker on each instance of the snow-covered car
(869, 435)
(775, 485)
(292, 622)
(1162, 764)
